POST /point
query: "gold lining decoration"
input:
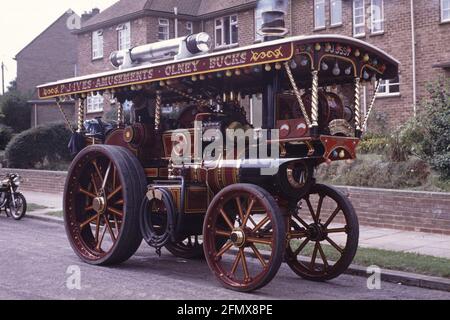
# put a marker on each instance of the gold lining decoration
(341, 127)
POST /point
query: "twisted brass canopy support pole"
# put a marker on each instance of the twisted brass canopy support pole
(158, 110)
(297, 93)
(81, 116)
(315, 99)
(358, 104)
(372, 104)
(120, 115)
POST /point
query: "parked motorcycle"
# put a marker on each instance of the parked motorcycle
(11, 201)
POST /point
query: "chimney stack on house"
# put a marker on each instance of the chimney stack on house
(88, 15)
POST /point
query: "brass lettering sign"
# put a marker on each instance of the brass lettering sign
(205, 64)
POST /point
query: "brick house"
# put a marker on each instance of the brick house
(415, 32)
(51, 56)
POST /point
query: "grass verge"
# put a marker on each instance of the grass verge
(393, 260)
(35, 207)
(58, 214)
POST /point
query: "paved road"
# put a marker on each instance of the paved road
(35, 255)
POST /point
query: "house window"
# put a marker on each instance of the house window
(445, 10)
(189, 27)
(377, 18)
(97, 44)
(258, 25)
(319, 14)
(359, 18)
(163, 29)
(336, 12)
(226, 30)
(95, 103)
(124, 35)
(389, 87)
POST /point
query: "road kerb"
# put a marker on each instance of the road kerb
(392, 276)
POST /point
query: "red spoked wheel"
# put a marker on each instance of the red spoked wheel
(247, 219)
(323, 235)
(104, 190)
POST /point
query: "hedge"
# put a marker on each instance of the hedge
(43, 147)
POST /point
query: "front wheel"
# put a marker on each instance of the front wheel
(17, 206)
(323, 235)
(236, 229)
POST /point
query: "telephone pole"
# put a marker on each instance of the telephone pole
(3, 78)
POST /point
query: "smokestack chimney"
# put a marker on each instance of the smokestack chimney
(273, 16)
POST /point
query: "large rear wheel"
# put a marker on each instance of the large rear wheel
(103, 193)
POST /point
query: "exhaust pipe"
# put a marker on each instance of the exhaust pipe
(179, 48)
(273, 16)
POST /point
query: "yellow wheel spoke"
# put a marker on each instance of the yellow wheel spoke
(236, 263)
(89, 221)
(341, 251)
(227, 219)
(116, 212)
(258, 255)
(223, 233)
(261, 224)
(116, 191)
(87, 193)
(225, 249)
(244, 265)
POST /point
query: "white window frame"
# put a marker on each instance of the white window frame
(316, 4)
(221, 28)
(363, 24)
(387, 84)
(97, 44)
(445, 11)
(124, 36)
(374, 21)
(337, 4)
(190, 27)
(163, 35)
(95, 104)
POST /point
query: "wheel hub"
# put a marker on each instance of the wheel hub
(99, 205)
(238, 238)
(316, 232)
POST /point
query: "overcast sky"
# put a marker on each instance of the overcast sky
(22, 20)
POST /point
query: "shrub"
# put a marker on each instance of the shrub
(16, 113)
(6, 134)
(373, 143)
(43, 147)
(377, 173)
(428, 136)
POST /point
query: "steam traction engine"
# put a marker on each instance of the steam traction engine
(146, 178)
